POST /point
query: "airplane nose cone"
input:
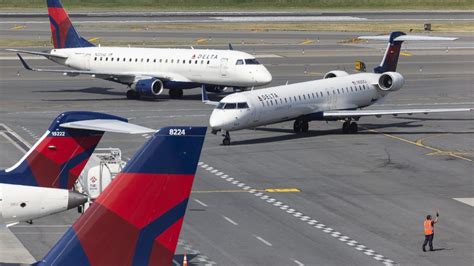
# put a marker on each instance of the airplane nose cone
(75, 199)
(267, 77)
(263, 77)
(214, 121)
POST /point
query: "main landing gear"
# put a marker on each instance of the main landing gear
(176, 93)
(300, 126)
(349, 127)
(132, 95)
(226, 140)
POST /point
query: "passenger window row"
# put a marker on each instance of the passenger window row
(314, 95)
(147, 60)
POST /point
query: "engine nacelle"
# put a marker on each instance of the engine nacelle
(148, 87)
(215, 88)
(391, 81)
(335, 74)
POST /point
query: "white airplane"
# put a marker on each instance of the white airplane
(147, 71)
(339, 96)
(39, 183)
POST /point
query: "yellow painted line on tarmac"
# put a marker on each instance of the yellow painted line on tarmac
(420, 143)
(405, 54)
(269, 190)
(306, 42)
(93, 39)
(19, 27)
(282, 190)
(201, 41)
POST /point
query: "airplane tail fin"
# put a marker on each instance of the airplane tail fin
(395, 40)
(59, 156)
(139, 216)
(392, 53)
(64, 34)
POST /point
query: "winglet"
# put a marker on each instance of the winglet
(205, 98)
(23, 62)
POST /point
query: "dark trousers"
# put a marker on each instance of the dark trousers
(428, 239)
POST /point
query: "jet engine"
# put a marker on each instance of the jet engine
(391, 81)
(335, 74)
(148, 87)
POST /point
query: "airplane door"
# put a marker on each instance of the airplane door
(87, 61)
(224, 67)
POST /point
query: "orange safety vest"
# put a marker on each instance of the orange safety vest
(428, 225)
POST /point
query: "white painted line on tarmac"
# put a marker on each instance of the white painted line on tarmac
(230, 220)
(200, 202)
(299, 263)
(468, 201)
(304, 218)
(42, 226)
(263, 241)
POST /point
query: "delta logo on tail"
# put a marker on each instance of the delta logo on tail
(390, 60)
(58, 158)
(64, 35)
(138, 218)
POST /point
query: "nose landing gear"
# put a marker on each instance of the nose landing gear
(349, 127)
(300, 126)
(226, 140)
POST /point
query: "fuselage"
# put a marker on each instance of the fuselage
(288, 102)
(22, 203)
(217, 67)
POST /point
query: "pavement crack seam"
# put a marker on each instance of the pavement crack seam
(301, 216)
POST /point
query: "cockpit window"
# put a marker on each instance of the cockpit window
(242, 105)
(251, 62)
(240, 62)
(230, 106)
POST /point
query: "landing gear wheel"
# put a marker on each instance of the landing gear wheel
(297, 126)
(353, 128)
(226, 140)
(345, 127)
(176, 93)
(132, 95)
(304, 126)
(300, 126)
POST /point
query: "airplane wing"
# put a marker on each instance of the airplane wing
(379, 113)
(108, 125)
(117, 77)
(47, 55)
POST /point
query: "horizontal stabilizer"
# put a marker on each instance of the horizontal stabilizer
(108, 125)
(407, 38)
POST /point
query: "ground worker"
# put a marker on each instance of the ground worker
(429, 231)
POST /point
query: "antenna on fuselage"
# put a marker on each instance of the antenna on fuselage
(286, 82)
(252, 88)
(230, 47)
(192, 47)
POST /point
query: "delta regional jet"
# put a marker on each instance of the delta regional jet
(148, 71)
(40, 183)
(338, 96)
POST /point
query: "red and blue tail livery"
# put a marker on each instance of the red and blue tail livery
(64, 34)
(390, 59)
(138, 218)
(59, 157)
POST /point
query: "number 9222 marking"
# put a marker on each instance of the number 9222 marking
(177, 132)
